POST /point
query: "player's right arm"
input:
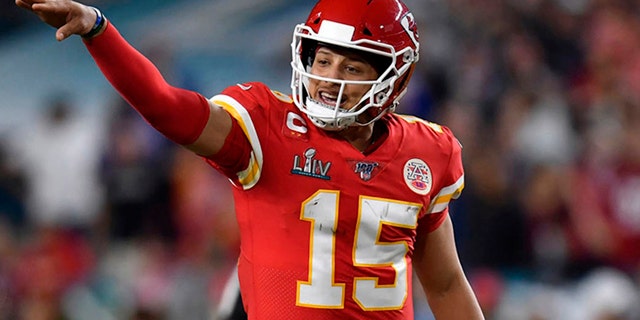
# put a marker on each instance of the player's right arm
(183, 116)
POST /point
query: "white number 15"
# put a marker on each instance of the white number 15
(321, 290)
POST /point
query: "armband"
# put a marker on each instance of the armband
(101, 21)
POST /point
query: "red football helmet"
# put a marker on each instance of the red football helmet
(384, 29)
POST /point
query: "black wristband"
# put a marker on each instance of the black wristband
(98, 26)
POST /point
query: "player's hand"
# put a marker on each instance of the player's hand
(67, 16)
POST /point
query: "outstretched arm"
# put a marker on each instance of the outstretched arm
(183, 116)
(437, 265)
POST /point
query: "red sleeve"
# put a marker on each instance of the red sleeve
(450, 188)
(177, 113)
(430, 222)
(234, 155)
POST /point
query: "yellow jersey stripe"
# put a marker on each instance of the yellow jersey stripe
(442, 199)
(250, 176)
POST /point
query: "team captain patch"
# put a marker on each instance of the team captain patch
(417, 176)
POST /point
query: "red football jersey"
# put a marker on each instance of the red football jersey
(327, 232)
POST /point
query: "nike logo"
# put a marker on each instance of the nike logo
(244, 87)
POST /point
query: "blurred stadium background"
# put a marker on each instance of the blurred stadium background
(102, 218)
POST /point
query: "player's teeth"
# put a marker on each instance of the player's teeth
(328, 97)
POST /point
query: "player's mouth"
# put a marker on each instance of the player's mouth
(330, 99)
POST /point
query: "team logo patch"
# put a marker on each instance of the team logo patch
(308, 165)
(417, 176)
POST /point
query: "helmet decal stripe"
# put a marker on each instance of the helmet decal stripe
(336, 31)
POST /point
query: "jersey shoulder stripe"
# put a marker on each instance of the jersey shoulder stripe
(250, 176)
(441, 201)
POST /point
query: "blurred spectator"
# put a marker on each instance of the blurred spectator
(12, 191)
(59, 154)
(208, 238)
(606, 211)
(134, 173)
(607, 294)
(9, 251)
(204, 211)
(48, 267)
(543, 198)
(497, 233)
(605, 214)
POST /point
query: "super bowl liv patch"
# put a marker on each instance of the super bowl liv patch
(308, 165)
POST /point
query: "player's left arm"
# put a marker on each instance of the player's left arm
(435, 258)
(438, 267)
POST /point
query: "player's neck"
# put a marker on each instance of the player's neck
(359, 137)
(362, 138)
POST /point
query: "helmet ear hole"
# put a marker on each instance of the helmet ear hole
(308, 51)
(378, 62)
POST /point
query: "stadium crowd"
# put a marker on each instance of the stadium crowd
(111, 221)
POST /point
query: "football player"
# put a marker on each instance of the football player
(338, 199)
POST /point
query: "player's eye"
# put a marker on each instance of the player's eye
(321, 62)
(353, 69)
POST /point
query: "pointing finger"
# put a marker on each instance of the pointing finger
(24, 4)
